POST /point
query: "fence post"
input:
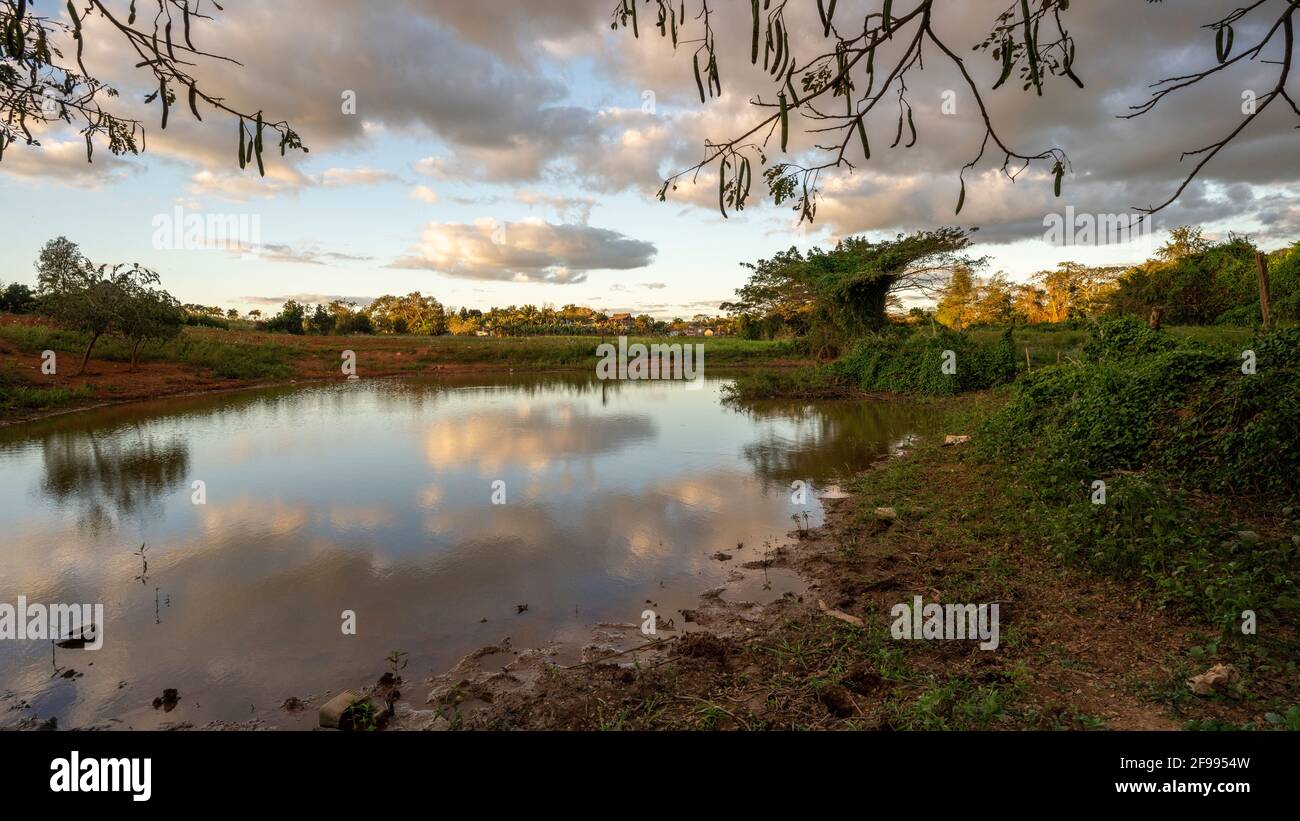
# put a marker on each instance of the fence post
(1261, 263)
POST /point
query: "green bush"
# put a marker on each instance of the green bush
(915, 364)
(1143, 400)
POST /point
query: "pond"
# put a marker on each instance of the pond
(431, 510)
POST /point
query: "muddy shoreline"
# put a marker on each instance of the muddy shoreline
(488, 687)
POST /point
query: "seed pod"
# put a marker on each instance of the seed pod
(785, 121)
(722, 189)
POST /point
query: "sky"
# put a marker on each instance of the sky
(510, 152)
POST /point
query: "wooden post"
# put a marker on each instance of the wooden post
(1029, 366)
(1261, 263)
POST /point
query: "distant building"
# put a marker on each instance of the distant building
(625, 320)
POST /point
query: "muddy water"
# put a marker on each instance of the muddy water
(378, 498)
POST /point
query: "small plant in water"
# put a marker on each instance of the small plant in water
(397, 661)
(361, 716)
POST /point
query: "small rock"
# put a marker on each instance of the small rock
(1248, 536)
(952, 439)
(332, 713)
(168, 700)
(720, 556)
(1217, 678)
(887, 514)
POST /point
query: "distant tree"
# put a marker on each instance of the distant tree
(17, 298)
(321, 321)
(291, 319)
(413, 313)
(956, 307)
(463, 324)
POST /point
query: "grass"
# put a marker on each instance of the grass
(1050, 346)
(232, 358)
(15, 395)
(240, 354)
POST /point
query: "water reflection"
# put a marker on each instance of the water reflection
(376, 497)
(802, 440)
(109, 477)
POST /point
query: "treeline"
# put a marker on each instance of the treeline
(833, 297)
(1190, 281)
(421, 315)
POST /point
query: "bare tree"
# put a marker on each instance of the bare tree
(863, 69)
(40, 85)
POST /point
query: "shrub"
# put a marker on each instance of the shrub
(1145, 401)
(915, 364)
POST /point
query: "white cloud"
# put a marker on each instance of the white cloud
(424, 193)
(526, 251)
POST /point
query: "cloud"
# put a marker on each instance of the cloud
(65, 162)
(304, 256)
(424, 193)
(578, 208)
(505, 98)
(306, 299)
(526, 251)
(335, 177)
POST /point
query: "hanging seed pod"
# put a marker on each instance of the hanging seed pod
(785, 121)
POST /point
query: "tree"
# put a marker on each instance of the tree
(39, 86)
(290, 320)
(957, 306)
(838, 295)
(84, 297)
(321, 321)
(1184, 241)
(148, 314)
(413, 313)
(347, 319)
(866, 59)
(17, 298)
